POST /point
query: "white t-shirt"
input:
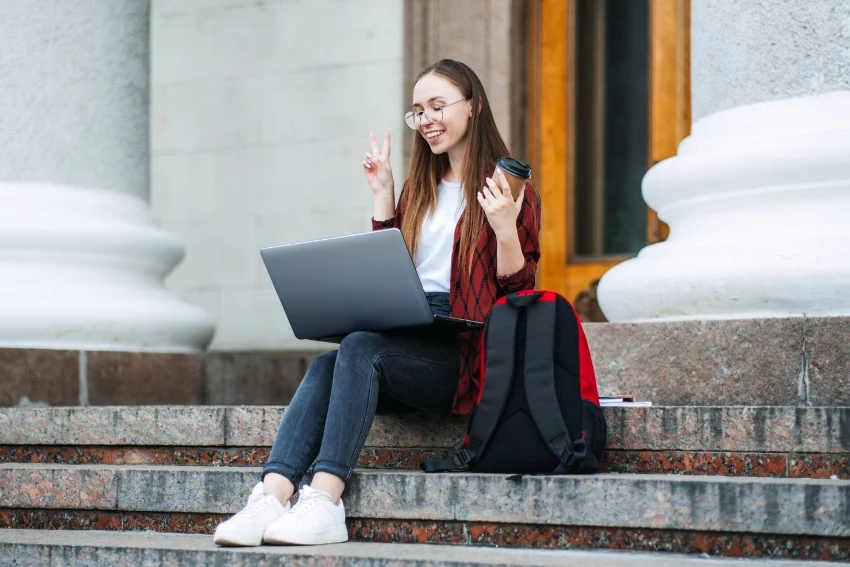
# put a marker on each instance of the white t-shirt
(434, 254)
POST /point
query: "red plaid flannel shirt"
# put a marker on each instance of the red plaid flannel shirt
(473, 296)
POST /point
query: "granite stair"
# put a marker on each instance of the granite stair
(24, 548)
(779, 441)
(748, 481)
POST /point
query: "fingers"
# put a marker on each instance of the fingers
(494, 197)
(374, 141)
(367, 161)
(496, 191)
(484, 204)
(488, 200)
(521, 196)
(503, 183)
(386, 152)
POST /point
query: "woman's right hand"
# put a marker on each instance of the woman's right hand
(376, 166)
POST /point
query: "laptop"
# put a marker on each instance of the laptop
(363, 282)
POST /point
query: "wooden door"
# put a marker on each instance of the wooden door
(594, 125)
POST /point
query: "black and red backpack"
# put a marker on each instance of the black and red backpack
(538, 407)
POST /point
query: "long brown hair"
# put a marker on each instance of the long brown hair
(484, 146)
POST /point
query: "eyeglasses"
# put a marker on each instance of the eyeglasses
(434, 114)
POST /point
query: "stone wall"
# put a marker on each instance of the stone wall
(260, 115)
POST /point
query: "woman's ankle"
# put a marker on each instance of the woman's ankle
(279, 485)
(330, 483)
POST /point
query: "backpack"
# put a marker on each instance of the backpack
(538, 407)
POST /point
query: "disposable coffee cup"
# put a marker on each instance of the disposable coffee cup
(516, 172)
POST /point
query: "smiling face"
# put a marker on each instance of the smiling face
(450, 133)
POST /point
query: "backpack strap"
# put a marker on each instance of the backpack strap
(446, 465)
(540, 387)
(500, 335)
(497, 378)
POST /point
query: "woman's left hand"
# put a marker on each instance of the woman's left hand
(499, 205)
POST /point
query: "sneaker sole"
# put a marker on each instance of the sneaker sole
(231, 542)
(336, 534)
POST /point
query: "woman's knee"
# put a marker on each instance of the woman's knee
(361, 344)
(358, 356)
(321, 368)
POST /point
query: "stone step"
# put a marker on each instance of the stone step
(722, 515)
(803, 442)
(105, 549)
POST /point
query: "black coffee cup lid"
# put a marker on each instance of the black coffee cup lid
(515, 167)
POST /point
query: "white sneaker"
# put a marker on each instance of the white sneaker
(314, 520)
(246, 527)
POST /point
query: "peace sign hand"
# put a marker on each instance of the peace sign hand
(499, 205)
(376, 166)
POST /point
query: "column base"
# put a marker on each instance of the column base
(83, 269)
(758, 202)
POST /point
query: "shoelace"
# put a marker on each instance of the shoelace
(308, 500)
(304, 505)
(254, 507)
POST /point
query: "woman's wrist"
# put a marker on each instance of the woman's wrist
(508, 237)
(387, 195)
(509, 256)
(384, 206)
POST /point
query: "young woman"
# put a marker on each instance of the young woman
(472, 242)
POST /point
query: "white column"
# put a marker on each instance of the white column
(82, 259)
(758, 197)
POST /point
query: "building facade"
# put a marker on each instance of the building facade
(219, 127)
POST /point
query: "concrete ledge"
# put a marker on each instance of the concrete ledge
(78, 548)
(753, 362)
(724, 504)
(754, 429)
(63, 377)
(748, 362)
